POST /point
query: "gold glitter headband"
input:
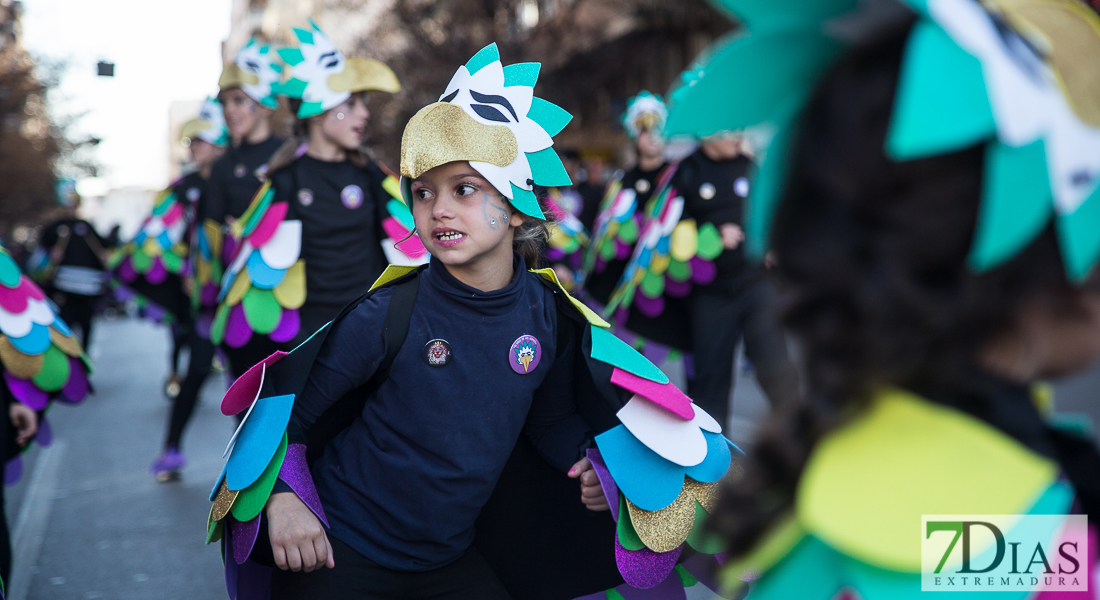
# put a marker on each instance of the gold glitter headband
(442, 132)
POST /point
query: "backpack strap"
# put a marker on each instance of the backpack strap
(394, 331)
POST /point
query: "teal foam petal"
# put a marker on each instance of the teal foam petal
(486, 56)
(1079, 237)
(293, 88)
(291, 56)
(941, 103)
(525, 202)
(310, 109)
(546, 168)
(304, 37)
(782, 69)
(766, 192)
(1016, 203)
(551, 117)
(810, 571)
(525, 74)
(759, 15)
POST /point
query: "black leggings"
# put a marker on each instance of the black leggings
(357, 578)
(77, 311)
(198, 369)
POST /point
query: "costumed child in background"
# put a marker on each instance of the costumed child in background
(315, 236)
(206, 138)
(659, 330)
(41, 361)
(405, 409)
(248, 98)
(939, 245)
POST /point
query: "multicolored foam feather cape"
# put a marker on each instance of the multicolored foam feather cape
(41, 358)
(568, 236)
(842, 535)
(659, 468)
(161, 248)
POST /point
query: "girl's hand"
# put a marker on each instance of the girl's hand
(25, 421)
(591, 490)
(298, 539)
(732, 235)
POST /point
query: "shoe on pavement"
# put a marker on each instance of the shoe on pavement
(168, 465)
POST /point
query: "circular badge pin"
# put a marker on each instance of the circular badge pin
(525, 354)
(707, 191)
(642, 185)
(352, 196)
(741, 187)
(240, 171)
(193, 194)
(305, 196)
(437, 353)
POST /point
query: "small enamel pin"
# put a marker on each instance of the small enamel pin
(525, 354)
(240, 171)
(305, 196)
(437, 353)
(707, 191)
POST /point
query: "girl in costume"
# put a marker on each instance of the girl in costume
(660, 331)
(247, 94)
(206, 140)
(931, 196)
(42, 361)
(393, 425)
(322, 206)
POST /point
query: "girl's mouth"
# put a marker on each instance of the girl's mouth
(448, 237)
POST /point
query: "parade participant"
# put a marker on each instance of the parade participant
(42, 361)
(404, 410)
(70, 263)
(931, 197)
(324, 205)
(206, 138)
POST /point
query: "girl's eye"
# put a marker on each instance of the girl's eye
(422, 193)
(465, 189)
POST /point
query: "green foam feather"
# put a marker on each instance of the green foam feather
(525, 202)
(141, 261)
(686, 578)
(551, 117)
(1016, 203)
(221, 316)
(613, 351)
(678, 271)
(628, 231)
(547, 169)
(9, 271)
(525, 74)
(486, 56)
(54, 373)
(399, 211)
(251, 500)
(628, 537)
(941, 104)
(765, 193)
(702, 540)
(261, 310)
(653, 285)
(760, 15)
(1079, 237)
(810, 571)
(710, 242)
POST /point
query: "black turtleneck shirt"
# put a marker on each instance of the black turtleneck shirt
(233, 180)
(405, 482)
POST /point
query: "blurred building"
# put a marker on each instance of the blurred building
(595, 54)
(179, 112)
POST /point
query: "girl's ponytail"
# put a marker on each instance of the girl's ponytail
(530, 239)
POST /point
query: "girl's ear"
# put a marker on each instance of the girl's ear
(517, 218)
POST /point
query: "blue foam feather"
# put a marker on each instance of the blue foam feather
(647, 480)
(61, 326)
(261, 274)
(140, 238)
(716, 464)
(164, 241)
(35, 342)
(217, 484)
(258, 441)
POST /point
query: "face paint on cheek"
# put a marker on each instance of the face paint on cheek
(490, 207)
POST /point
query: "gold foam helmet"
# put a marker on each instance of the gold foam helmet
(442, 132)
(364, 75)
(235, 77)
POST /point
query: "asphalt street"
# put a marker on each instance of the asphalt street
(89, 521)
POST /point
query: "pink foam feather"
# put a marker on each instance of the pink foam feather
(13, 300)
(126, 271)
(174, 213)
(268, 224)
(1093, 548)
(157, 273)
(289, 324)
(665, 395)
(31, 288)
(26, 392)
(76, 388)
(237, 329)
(412, 247)
(243, 391)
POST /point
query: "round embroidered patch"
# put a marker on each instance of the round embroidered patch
(305, 196)
(707, 191)
(525, 354)
(352, 196)
(240, 171)
(437, 353)
(193, 194)
(741, 187)
(642, 186)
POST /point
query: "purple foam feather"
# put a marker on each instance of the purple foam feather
(702, 271)
(237, 330)
(209, 295)
(554, 255)
(244, 537)
(622, 251)
(656, 353)
(677, 289)
(295, 472)
(26, 392)
(650, 307)
(289, 324)
(76, 388)
(229, 249)
(126, 271)
(253, 581)
(203, 321)
(669, 589)
(155, 312)
(124, 294)
(13, 470)
(45, 432)
(157, 273)
(645, 568)
(610, 490)
(232, 569)
(689, 366)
